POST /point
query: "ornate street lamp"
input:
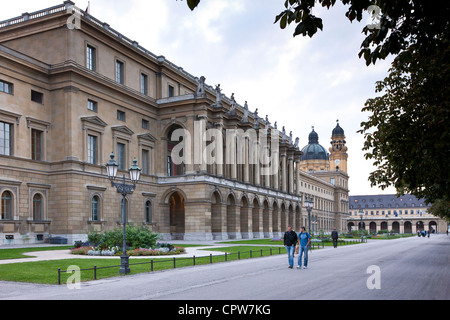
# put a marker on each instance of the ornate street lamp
(124, 189)
(309, 204)
(361, 214)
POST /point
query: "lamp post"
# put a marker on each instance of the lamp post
(309, 204)
(403, 225)
(361, 214)
(125, 189)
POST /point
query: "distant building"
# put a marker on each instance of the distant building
(405, 214)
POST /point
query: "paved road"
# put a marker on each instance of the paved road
(410, 269)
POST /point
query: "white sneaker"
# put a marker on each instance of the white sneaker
(298, 267)
(304, 267)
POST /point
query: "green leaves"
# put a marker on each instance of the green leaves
(407, 135)
(299, 13)
(192, 4)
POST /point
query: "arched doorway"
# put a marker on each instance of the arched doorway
(231, 217)
(244, 218)
(275, 219)
(420, 226)
(255, 219)
(408, 227)
(266, 219)
(216, 216)
(396, 227)
(432, 227)
(373, 228)
(177, 216)
(283, 218)
(350, 226)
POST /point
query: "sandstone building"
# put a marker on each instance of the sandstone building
(73, 89)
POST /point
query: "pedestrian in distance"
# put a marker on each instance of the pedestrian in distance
(290, 240)
(304, 241)
(335, 237)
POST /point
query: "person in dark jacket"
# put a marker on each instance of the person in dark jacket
(290, 240)
(335, 237)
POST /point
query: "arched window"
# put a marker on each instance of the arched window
(148, 212)
(95, 208)
(6, 206)
(37, 207)
(174, 168)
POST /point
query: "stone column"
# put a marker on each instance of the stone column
(291, 175)
(257, 165)
(246, 161)
(283, 173)
(297, 176)
(276, 176)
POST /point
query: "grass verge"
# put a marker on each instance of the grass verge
(46, 272)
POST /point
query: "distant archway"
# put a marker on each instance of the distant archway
(177, 216)
(408, 227)
(216, 216)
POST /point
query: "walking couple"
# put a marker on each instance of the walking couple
(303, 240)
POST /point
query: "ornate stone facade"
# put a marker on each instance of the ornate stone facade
(77, 91)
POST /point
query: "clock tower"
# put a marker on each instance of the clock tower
(338, 150)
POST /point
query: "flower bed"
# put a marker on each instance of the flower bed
(116, 251)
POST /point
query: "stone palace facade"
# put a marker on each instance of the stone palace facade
(73, 89)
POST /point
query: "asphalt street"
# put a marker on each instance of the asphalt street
(404, 269)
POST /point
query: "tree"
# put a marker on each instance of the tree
(407, 134)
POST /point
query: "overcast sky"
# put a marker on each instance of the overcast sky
(299, 82)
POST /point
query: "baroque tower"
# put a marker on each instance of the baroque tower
(338, 150)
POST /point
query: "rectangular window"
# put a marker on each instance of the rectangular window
(145, 162)
(145, 124)
(119, 72)
(171, 91)
(36, 144)
(121, 155)
(92, 149)
(90, 58)
(37, 97)
(92, 105)
(144, 84)
(5, 139)
(6, 87)
(121, 116)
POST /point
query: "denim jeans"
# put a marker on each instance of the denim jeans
(303, 250)
(290, 252)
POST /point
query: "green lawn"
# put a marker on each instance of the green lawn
(46, 272)
(268, 242)
(9, 254)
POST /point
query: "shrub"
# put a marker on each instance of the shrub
(136, 237)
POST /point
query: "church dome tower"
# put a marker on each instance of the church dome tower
(315, 157)
(338, 150)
